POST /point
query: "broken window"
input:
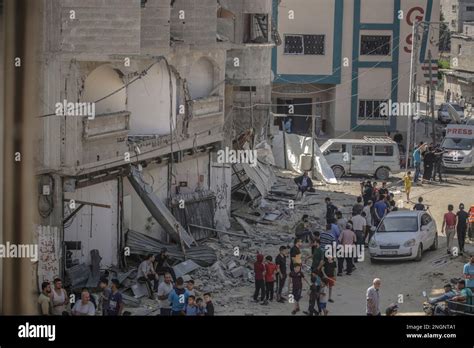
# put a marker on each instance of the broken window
(370, 109)
(256, 28)
(375, 45)
(304, 44)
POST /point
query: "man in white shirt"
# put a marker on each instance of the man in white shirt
(163, 291)
(84, 307)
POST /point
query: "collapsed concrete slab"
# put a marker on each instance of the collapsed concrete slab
(158, 209)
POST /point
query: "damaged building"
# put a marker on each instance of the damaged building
(170, 83)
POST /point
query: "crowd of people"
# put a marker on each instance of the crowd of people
(174, 296)
(431, 156)
(271, 277)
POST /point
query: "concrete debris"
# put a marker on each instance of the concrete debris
(78, 275)
(143, 244)
(130, 300)
(185, 268)
(158, 209)
(237, 272)
(249, 230)
(139, 290)
(231, 264)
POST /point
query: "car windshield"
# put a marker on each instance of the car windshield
(457, 143)
(456, 107)
(399, 224)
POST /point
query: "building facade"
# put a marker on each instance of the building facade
(341, 59)
(157, 74)
(457, 12)
(460, 78)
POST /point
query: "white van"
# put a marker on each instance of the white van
(458, 146)
(377, 156)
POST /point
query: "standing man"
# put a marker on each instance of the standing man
(281, 274)
(330, 210)
(368, 219)
(259, 271)
(178, 298)
(359, 223)
(417, 161)
(428, 164)
(373, 298)
(347, 238)
(105, 295)
(59, 297)
(461, 227)
(468, 272)
(164, 291)
(44, 299)
(116, 300)
(295, 254)
(358, 206)
(380, 210)
(462, 102)
(438, 163)
(448, 96)
(449, 227)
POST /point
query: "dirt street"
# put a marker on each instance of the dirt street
(407, 278)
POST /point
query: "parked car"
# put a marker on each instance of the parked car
(404, 235)
(445, 117)
(378, 156)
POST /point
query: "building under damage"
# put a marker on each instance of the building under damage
(170, 82)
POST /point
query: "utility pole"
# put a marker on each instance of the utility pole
(412, 88)
(312, 145)
(432, 95)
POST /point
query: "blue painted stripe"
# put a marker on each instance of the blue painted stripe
(355, 63)
(424, 42)
(376, 26)
(395, 60)
(375, 64)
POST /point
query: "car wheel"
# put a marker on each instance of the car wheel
(338, 171)
(435, 243)
(382, 173)
(419, 254)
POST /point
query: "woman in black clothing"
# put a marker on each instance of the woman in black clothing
(428, 163)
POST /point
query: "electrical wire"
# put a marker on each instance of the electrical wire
(140, 75)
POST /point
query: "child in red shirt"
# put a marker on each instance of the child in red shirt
(259, 269)
(270, 269)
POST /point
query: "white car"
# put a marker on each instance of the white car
(404, 235)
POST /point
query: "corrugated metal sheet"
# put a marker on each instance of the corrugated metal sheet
(199, 209)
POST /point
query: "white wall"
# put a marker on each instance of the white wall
(201, 79)
(309, 19)
(136, 214)
(376, 11)
(101, 82)
(149, 102)
(102, 233)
